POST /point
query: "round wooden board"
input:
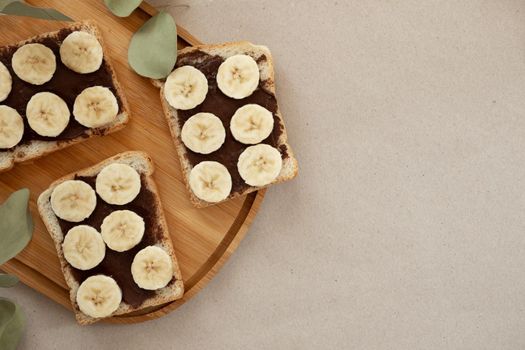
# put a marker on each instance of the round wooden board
(203, 238)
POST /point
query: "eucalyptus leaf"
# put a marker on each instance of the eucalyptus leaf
(122, 8)
(7, 281)
(12, 322)
(18, 8)
(4, 3)
(16, 225)
(152, 52)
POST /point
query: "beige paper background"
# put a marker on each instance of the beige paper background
(405, 228)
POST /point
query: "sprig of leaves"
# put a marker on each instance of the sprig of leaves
(16, 230)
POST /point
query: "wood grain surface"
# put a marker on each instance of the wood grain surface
(203, 238)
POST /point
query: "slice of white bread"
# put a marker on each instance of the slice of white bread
(266, 69)
(38, 148)
(143, 164)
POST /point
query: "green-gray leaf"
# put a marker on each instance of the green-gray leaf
(152, 52)
(16, 225)
(4, 3)
(7, 281)
(122, 8)
(18, 8)
(12, 321)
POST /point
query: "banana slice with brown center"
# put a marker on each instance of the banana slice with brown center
(11, 127)
(81, 52)
(34, 63)
(203, 133)
(95, 107)
(73, 200)
(152, 268)
(118, 184)
(99, 296)
(6, 82)
(122, 230)
(238, 76)
(47, 114)
(251, 124)
(83, 247)
(210, 181)
(185, 88)
(259, 165)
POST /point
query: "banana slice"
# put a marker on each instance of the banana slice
(118, 184)
(99, 296)
(251, 124)
(73, 200)
(203, 133)
(11, 127)
(259, 165)
(210, 181)
(81, 52)
(6, 83)
(238, 76)
(83, 247)
(122, 230)
(152, 268)
(186, 88)
(34, 63)
(47, 114)
(96, 106)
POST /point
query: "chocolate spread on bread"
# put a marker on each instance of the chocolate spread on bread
(118, 264)
(65, 83)
(224, 107)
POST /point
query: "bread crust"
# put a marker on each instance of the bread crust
(141, 162)
(37, 148)
(290, 166)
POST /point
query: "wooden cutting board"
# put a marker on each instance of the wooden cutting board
(203, 238)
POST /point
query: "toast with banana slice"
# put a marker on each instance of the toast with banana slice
(49, 86)
(111, 238)
(226, 125)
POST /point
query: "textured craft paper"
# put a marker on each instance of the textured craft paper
(405, 228)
